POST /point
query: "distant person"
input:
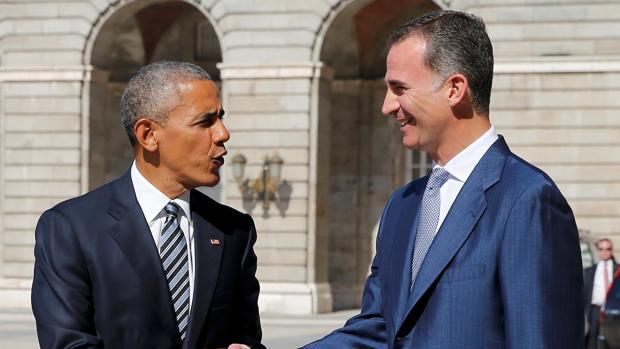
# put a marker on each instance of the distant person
(146, 261)
(597, 280)
(484, 252)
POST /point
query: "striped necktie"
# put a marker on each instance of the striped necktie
(173, 253)
(429, 217)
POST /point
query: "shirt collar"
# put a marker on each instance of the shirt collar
(463, 164)
(151, 200)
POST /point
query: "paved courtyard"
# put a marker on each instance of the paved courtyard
(17, 330)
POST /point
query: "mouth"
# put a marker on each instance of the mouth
(219, 160)
(407, 121)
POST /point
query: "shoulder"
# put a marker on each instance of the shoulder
(590, 269)
(73, 222)
(522, 172)
(415, 186)
(89, 203)
(588, 273)
(521, 179)
(219, 214)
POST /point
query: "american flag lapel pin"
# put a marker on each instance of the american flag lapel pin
(215, 242)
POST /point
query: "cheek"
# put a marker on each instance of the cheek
(408, 103)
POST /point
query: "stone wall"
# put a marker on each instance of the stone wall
(281, 60)
(557, 66)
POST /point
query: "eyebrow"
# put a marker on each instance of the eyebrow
(209, 115)
(393, 82)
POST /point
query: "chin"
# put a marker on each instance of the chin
(208, 179)
(410, 145)
(211, 182)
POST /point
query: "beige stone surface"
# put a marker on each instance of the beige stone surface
(297, 80)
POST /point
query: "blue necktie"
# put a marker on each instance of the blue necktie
(429, 217)
(173, 252)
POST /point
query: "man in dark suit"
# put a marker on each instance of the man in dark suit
(146, 261)
(597, 280)
(484, 253)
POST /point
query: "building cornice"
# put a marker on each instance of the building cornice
(55, 73)
(230, 71)
(550, 65)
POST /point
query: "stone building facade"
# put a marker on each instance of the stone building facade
(303, 78)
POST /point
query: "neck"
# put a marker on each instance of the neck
(462, 135)
(149, 168)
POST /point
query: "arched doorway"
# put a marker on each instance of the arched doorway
(135, 35)
(366, 158)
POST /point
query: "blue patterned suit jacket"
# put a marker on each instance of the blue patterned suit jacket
(504, 270)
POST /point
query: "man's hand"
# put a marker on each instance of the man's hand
(238, 346)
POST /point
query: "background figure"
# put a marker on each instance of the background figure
(481, 253)
(146, 261)
(596, 280)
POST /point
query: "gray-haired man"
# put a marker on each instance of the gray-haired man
(146, 261)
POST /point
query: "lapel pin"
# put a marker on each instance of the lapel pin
(215, 242)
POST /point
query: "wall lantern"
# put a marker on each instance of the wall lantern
(265, 187)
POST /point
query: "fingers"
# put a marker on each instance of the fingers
(238, 346)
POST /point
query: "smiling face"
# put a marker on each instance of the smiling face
(191, 142)
(414, 99)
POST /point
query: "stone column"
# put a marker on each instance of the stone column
(276, 107)
(42, 152)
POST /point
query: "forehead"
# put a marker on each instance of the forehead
(199, 91)
(198, 97)
(406, 56)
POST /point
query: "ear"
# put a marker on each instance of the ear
(146, 131)
(457, 89)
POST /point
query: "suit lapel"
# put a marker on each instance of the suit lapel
(404, 235)
(209, 244)
(133, 236)
(465, 212)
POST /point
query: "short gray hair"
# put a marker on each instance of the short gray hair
(154, 91)
(456, 42)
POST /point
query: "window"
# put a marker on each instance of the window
(419, 164)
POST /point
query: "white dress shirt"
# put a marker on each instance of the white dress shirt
(460, 167)
(599, 291)
(153, 202)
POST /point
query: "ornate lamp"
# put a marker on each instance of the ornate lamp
(264, 188)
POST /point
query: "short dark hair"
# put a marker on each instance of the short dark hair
(154, 91)
(456, 42)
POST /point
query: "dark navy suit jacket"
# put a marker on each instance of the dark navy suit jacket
(504, 270)
(588, 286)
(98, 280)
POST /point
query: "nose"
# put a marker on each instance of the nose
(221, 134)
(390, 104)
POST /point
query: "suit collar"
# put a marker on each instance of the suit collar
(404, 227)
(209, 243)
(465, 212)
(462, 164)
(133, 236)
(151, 200)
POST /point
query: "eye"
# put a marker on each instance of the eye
(207, 122)
(399, 90)
(209, 119)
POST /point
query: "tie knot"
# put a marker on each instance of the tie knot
(438, 177)
(172, 209)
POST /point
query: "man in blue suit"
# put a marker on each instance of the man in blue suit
(484, 253)
(146, 261)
